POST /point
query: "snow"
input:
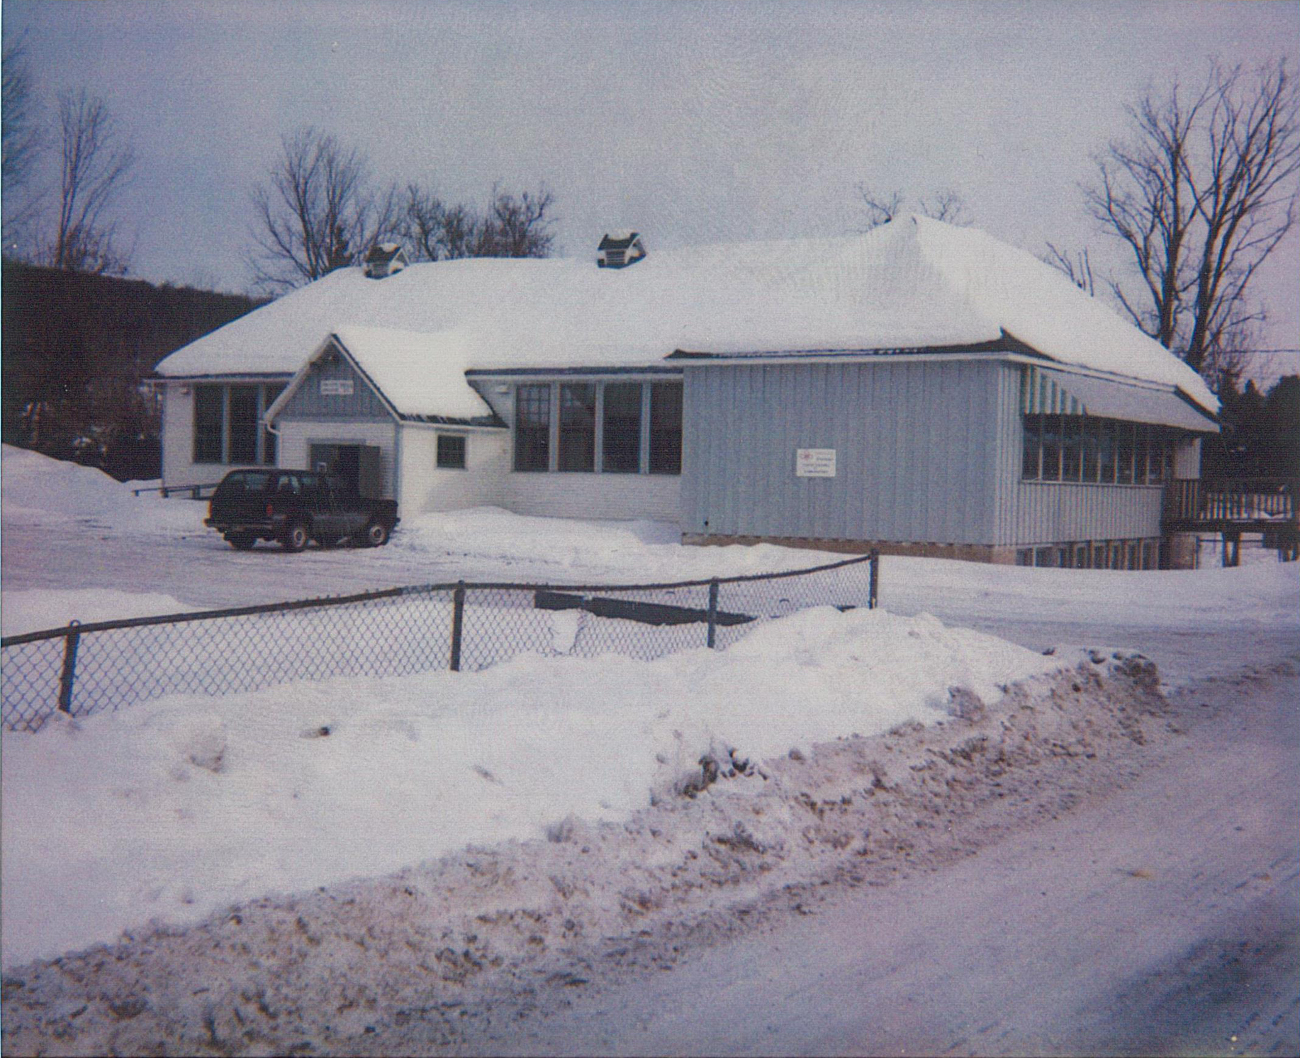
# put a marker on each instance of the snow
(908, 284)
(37, 489)
(422, 374)
(174, 808)
(38, 609)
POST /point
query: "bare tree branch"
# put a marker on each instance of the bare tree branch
(20, 141)
(317, 211)
(946, 205)
(95, 160)
(1201, 193)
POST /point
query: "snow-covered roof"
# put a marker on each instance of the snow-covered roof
(913, 283)
(419, 374)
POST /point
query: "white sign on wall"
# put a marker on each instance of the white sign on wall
(814, 462)
(336, 387)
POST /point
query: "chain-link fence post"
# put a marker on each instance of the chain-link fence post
(70, 643)
(875, 580)
(713, 611)
(457, 623)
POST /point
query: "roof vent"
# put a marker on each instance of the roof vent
(619, 249)
(384, 259)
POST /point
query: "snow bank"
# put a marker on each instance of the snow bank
(175, 808)
(38, 609)
(36, 489)
(635, 552)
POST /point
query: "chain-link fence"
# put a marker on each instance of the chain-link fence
(82, 669)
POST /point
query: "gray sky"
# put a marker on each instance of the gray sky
(690, 122)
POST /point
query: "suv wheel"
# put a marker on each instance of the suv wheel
(241, 541)
(295, 537)
(376, 535)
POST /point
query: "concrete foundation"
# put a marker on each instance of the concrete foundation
(1005, 556)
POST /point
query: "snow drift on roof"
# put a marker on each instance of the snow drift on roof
(420, 374)
(913, 283)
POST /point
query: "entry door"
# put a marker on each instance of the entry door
(359, 467)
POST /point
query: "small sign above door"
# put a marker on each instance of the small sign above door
(336, 387)
(814, 462)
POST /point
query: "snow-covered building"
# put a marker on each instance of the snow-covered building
(922, 388)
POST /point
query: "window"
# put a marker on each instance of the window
(451, 451)
(209, 424)
(227, 423)
(621, 431)
(1029, 465)
(1072, 448)
(1142, 455)
(1107, 443)
(1125, 448)
(1051, 448)
(577, 426)
(1156, 458)
(639, 424)
(243, 424)
(666, 428)
(270, 394)
(533, 427)
(1090, 455)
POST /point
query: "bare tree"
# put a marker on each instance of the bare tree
(18, 131)
(517, 226)
(95, 160)
(1200, 193)
(947, 206)
(319, 210)
(1076, 267)
(514, 226)
(20, 139)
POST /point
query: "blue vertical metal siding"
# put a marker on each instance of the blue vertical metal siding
(307, 401)
(915, 450)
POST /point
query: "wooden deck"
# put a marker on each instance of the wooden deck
(1233, 507)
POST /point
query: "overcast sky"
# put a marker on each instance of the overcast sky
(690, 122)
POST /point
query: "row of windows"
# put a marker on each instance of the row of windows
(1094, 554)
(1106, 451)
(640, 427)
(226, 423)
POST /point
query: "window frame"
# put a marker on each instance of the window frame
(538, 447)
(203, 451)
(576, 448)
(654, 453)
(628, 455)
(444, 460)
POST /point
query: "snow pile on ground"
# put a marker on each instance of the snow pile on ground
(634, 551)
(36, 488)
(450, 956)
(177, 807)
(1261, 594)
(38, 609)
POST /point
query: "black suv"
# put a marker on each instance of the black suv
(295, 506)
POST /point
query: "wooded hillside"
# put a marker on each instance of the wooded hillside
(76, 350)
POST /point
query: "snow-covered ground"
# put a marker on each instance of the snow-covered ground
(176, 807)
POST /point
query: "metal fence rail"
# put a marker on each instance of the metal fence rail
(84, 668)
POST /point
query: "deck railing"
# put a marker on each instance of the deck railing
(1233, 500)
